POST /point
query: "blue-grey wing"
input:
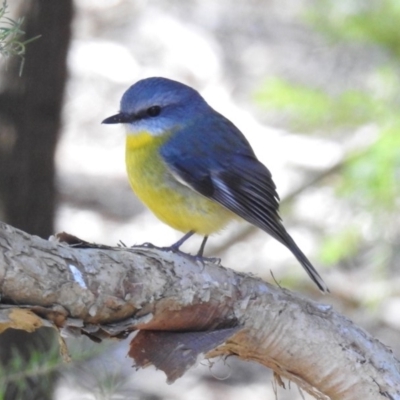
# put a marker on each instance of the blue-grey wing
(216, 160)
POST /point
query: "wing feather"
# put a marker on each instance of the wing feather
(216, 160)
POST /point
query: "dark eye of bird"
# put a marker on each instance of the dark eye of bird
(153, 111)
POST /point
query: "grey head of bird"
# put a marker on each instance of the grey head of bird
(158, 105)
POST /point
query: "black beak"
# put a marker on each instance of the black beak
(118, 119)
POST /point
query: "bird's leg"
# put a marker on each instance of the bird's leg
(179, 243)
(200, 257)
(175, 247)
(203, 245)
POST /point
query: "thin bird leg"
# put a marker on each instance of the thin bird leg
(182, 240)
(203, 245)
(199, 256)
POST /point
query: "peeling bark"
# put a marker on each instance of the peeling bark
(185, 309)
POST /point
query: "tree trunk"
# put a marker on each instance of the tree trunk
(30, 112)
(30, 117)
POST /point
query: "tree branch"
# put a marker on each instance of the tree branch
(183, 309)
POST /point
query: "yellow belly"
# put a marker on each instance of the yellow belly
(172, 202)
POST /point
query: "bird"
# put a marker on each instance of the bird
(194, 169)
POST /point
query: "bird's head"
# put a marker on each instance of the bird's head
(158, 106)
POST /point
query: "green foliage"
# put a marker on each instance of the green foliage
(374, 173)
(36, 369)
(375, 21)
(41, 364)
(369, 179)
(372, 180)
(340, 246)
(312, 108)
(11, 34)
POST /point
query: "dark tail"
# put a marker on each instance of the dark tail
(311, 271)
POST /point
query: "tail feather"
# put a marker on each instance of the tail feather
(311, 271)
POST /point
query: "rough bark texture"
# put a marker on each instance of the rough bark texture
(186, 309)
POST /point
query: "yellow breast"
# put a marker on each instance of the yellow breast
(142, 139)
(174, 203)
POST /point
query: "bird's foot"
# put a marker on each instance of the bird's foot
(175, 248)
(194, 257)
(213, 260)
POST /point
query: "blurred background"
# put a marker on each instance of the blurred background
(314, 85)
